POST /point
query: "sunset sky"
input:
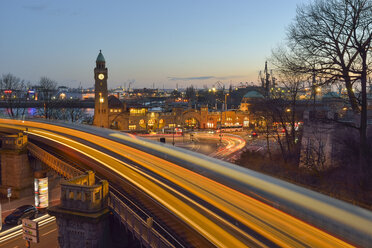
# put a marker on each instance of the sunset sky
(163, 42)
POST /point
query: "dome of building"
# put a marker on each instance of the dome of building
(253, 94)
(100, 57)
(331, 95)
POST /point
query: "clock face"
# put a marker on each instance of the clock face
(101, 76)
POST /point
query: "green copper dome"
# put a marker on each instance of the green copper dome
(331, 95)
(100, 57)
(253, 94)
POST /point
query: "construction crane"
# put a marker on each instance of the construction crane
(219, 85)
(267, 80)
(130, 83)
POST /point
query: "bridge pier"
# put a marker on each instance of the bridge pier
(83, 215)
(16, 172)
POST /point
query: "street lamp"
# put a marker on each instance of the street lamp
(174, 126)
(225, 104)
(226, 101)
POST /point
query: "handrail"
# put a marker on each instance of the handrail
(159, 237)
(143, 230)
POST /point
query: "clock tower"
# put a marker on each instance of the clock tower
(100, 92)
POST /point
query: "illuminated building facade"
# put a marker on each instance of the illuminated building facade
(139, 119)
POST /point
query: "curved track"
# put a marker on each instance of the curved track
(205, 201)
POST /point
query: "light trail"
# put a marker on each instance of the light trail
(212, 231)
(271, 223)
(17, 230)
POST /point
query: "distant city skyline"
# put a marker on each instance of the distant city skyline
(160, 43)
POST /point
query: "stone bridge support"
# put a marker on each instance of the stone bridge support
(82, 216)
(16, 172)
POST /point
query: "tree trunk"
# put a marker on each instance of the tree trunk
(363, 118)
(351, 95)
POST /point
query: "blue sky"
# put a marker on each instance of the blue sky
(162, 42)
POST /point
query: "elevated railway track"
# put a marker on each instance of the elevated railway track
(202, 201)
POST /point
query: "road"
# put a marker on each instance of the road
(48, 236)
(224, 216)
(206, 143)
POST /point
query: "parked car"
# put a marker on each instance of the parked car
(25, 211)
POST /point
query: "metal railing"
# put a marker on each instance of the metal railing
(149, 232)
(144, 230)
(59, 166)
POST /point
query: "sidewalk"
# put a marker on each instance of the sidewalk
(6, 209)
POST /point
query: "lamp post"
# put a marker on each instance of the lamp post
(221, 127)
(226, 101)
(225, 106)
(174, 126)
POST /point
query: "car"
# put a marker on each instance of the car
(254, 134)
(25, 211)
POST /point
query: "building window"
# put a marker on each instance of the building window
(78, 196)
(87, 196)
(132, 127)
(97, 196)
(134, 111)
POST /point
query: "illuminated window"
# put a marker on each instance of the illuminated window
(134, 111)
(151, 122)
(132, 127)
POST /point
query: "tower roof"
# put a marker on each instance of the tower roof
(114, 102)
(100, 57)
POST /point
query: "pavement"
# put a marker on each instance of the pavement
(54, 199)
(48, 235)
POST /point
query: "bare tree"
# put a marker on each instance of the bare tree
(47, 88)
(13, 90)
(332, 40)
(281, 115)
